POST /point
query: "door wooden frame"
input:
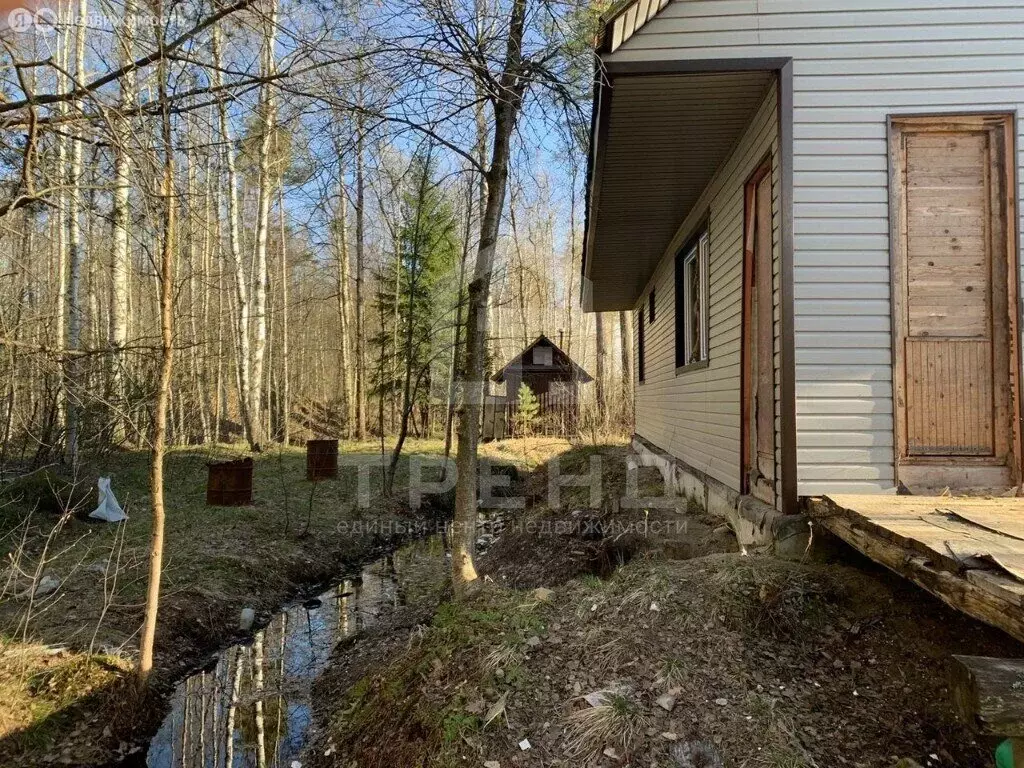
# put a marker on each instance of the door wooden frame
(747, 383)
(1002, 125)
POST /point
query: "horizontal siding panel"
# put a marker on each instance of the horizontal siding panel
(904, 99)
(850, 455)
(843, 323)
(848, 439)
(847, 147)
(843, 373)
(844, 274)
(845, 196)
(842, 241)
(980, 61)
(840, 259)
(844, 422)
(819, 488)
(827, 6)
(868, 291)
(879, 356)
(873, 391)
(842, 305)
(865, 340)
(867, 22)
(811, 406)
(656, 47)
(695, 415)
(840, 85)
(855, 62)
(834, 472)
(826, 164)
(851, 226)
(850, 178)
(841, 206)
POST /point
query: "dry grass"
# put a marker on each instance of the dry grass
(777, 664)
(781, 602)
(526, 452)
(502, 657)
(38, 683)
(607, 718)
(217, 561)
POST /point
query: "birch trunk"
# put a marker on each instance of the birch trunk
(285, 372)
(262, 274)
(76, 253)
(242, 310)
(345, 306)
(60, 239)
(360, 297)
(626, 351)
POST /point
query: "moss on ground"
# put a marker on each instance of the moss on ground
(445, 690)
(827, 678)
(768, 663)
(217, 560)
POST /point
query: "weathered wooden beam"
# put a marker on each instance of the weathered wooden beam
(989, 694)
(1003, 612)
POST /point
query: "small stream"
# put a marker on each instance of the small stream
(254, 707)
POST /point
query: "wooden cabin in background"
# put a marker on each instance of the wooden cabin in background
(554, 378)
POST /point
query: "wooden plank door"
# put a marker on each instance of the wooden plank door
(955, 301)
(758, 354)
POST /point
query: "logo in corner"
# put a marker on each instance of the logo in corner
(21, 20)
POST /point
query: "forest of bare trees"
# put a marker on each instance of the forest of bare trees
(304, 145)
(260, 222)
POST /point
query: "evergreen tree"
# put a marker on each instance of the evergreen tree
(527, 411)
(416, 292)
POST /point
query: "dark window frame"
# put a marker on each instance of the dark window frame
(650, 307)
(698, 250)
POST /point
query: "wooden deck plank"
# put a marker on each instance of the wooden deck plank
(1012, 563)
(1004, 519)
(966, 552)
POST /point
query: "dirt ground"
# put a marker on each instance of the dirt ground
(67, 705)
(722, 658)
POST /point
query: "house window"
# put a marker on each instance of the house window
(650, 304)
(640, 344)
(692, 302)
(542, 355)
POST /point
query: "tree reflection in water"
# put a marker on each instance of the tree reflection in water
(253, 709)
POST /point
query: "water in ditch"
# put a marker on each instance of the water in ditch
(254, 707)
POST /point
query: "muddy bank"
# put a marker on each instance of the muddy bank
(66, 706)
(756, 661)
(769, 663)
(253, 705)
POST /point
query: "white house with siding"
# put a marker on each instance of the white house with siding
(811, 207)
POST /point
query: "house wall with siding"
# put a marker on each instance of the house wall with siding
(854, 63)
(695, 414)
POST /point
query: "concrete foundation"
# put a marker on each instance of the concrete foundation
(759, 528)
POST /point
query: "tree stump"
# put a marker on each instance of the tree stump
(989, 694)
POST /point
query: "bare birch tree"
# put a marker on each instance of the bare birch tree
(163, 392)
(261, 279)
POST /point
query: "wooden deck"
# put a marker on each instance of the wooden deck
(968, 552)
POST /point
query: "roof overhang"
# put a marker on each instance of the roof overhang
(659, 133)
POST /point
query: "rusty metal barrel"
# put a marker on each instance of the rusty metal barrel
(229, 483)
(321, 459)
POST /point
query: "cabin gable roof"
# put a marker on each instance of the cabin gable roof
(561, 363)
